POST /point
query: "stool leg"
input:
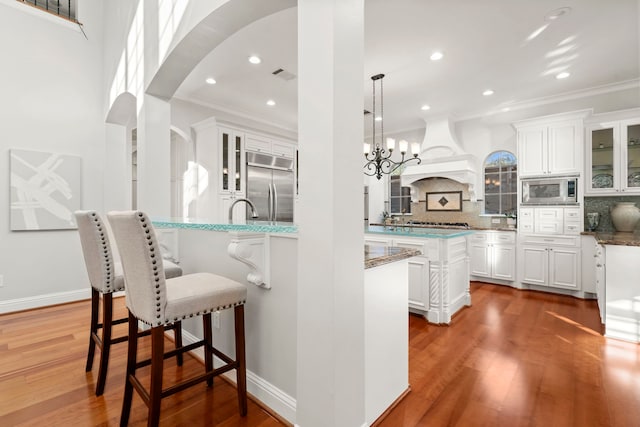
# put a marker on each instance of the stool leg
(132, 354)
(155, 388)
(107, 322)
(178, 340)
(95, 304)
(241, 370)
(208, 353)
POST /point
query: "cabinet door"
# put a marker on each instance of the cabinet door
(630, 154)
(532, 151)
(503, 262)
(419, 283)
(563, 268)
(480, 259)
(602, 159)
(534, 265)
(565, 148)
(232, 163)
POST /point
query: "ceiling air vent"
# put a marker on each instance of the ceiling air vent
(284, 74)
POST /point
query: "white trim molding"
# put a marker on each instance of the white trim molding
(270, 395)
(38, 301)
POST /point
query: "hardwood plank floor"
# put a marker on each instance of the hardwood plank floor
(519, 358)
(515, 358)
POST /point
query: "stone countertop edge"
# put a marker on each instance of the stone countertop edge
(615, 238)
(450, 227)
(254, 228)
(375, 256)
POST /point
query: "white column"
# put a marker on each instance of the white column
(117, 173)
(330, 370)
(154, 157)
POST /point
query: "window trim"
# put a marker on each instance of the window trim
(501, 195)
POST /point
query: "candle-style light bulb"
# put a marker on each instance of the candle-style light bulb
(367, 148)
(415, 148)
(391, 144)
(403, 146)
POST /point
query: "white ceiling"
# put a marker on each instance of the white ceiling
(484, 43)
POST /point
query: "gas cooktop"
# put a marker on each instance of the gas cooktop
(440, 224)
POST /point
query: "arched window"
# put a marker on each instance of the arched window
(500, 183)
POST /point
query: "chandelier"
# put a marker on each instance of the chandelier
(378, 157)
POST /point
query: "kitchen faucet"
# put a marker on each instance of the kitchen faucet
(254, 213)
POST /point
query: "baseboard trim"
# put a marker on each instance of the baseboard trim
(263, 391)
(28, 303)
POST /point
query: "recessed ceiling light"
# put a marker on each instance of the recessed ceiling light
(505, 109)
(436, 56)
(557, 13)
(255, 59)
(271, 103)
(210, 80)
(487, 92)
(562, 75)
(425, 107)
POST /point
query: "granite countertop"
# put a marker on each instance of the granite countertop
(428, 233)
(615, 238)
(448, 227)
(379, 255)
(250, 226)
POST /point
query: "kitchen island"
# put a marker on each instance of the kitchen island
(268, 255)
(439, 277)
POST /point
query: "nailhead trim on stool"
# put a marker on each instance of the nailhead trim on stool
(157, 301)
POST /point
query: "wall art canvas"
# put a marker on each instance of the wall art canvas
(45, 190)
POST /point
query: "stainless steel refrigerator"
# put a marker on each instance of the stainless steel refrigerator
(270, 186)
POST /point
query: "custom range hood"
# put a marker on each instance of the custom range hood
(442, 157)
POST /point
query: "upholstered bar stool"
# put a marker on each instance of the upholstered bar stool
(157, 301)
(105, 275)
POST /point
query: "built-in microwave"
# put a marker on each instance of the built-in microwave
(550, 191)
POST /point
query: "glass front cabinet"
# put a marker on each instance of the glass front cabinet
(613, 157)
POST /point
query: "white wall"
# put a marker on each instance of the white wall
(51, 85)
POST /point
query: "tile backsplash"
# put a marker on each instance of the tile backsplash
(602, 206)
(470, 213)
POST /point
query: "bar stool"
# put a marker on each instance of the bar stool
(157, 301)
(105, 276)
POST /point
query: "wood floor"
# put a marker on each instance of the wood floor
(514, 358)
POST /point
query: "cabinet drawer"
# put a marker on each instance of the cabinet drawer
(526, 227)
(549, 214)
(479, 237)
(504, 238)
(283, 149)
(551, 240)
(255, 144)
(526, 214)
(572, 228)
(549, 227)
(572, 214)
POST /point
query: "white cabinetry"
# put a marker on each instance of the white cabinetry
(231, 178)
(550, 220)
(493, 255)
(613, 154)
(264, 144)
(552, 261)
(589, 261)
(550, 145)
(438, 279)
